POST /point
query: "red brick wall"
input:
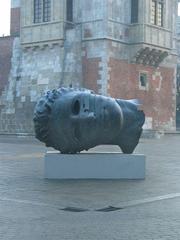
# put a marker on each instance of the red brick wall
(5, 60)
(91, 73)
(15, 22)
(157, 104)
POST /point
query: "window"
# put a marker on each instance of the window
(160, 14)
(69, 14)
(143, 81)
(157, 7)
(69, 10)
(46, 11)
(134, 11)
(42, 11)
(153, 13)
(37, 11)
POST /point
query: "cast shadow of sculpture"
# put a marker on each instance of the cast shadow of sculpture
(71, 120)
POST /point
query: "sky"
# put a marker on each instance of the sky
(5, 16)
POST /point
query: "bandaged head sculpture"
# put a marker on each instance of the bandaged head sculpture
(71, 120)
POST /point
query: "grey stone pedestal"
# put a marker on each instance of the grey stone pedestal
(94, 166)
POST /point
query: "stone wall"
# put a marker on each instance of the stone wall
(14, 114)
(35, 70)
(5, 60)
(99, 51)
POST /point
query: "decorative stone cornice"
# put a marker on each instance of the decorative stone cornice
(150, 56)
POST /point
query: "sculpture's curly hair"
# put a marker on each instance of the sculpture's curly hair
(42, 113)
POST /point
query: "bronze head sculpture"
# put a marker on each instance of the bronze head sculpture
(71, 120)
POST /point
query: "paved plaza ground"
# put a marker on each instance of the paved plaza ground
(34, 208)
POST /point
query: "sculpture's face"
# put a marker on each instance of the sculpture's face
(81, 118)
(74, 120)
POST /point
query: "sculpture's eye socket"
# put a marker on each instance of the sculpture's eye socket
(76, 107)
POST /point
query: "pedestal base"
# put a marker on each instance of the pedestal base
(94, 166)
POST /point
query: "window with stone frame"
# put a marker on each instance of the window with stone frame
(69, 10)
(157, 12)
(46, 10)
(42, 11)
(143, 81)
(134, 11)
(37, 11)
(69, 14)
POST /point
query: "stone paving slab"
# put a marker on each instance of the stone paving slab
(32, 207)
